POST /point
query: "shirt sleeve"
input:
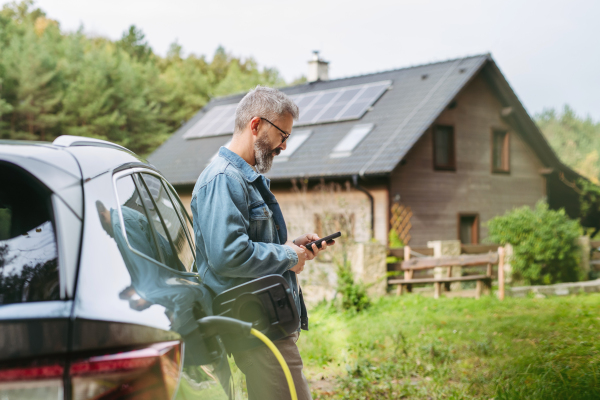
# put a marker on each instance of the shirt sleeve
(223, 222)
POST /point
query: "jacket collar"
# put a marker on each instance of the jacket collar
(241, 164)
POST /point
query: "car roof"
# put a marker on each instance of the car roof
(88, 157)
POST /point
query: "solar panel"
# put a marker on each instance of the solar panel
(340, 104)
(310, 114)
(365, 99)
(350, 102)
(218, 120)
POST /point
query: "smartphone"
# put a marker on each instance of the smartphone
(327, 239)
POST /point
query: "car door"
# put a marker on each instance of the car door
(137, 284)
(177, 288)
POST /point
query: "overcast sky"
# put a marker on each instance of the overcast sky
(548, 50)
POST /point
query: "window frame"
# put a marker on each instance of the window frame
(475, 227)
(162, 219)
(451, 166)
(505, 157)
(132, 171)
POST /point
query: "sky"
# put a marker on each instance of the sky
(548, 50)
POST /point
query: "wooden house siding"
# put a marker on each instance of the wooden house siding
(438, 197)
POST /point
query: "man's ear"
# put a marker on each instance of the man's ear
(254, 124)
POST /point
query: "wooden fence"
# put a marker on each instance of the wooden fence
(420, 259)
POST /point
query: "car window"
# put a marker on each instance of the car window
(28, 250)
(182, 212)
(135, 221)
(165, 219)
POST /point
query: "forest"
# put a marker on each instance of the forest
(54, 82)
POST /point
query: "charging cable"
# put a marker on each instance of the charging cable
(215, 325)
(284, 366)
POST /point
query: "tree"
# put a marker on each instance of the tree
(54, 83)
(576, 140)
(133, 43)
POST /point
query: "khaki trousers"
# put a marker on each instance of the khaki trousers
(265, 379)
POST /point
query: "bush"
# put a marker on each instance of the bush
(544, 242)
(354, 295)
(394, 240)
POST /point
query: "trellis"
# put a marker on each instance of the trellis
(400, 221)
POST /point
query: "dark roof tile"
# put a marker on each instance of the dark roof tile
(400, 116)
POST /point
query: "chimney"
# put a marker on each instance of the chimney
(318, 70)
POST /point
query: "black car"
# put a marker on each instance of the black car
(99, 295)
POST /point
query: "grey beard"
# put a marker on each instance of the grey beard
(263, 154)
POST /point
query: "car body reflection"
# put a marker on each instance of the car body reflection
(206, 368)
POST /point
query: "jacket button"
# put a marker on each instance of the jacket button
(277, 227)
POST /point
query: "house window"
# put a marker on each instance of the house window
(500, 151)
(468, 228)
(443, 148)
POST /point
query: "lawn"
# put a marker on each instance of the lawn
(413, 347)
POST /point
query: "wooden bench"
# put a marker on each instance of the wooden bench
(483, 281)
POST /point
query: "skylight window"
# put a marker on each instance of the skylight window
(351, 140)
(293, 143)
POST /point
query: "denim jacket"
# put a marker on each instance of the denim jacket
(239, 228)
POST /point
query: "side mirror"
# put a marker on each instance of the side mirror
(267, 303)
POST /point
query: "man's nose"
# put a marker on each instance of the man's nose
(283, 145)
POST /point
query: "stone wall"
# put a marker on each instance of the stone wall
(301, 205)
(368, 263)
(560, 289)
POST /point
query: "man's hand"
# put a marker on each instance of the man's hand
(301, 252)
(307, 238)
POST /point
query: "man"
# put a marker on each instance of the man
(240, 231)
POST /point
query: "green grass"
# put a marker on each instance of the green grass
(412, 347)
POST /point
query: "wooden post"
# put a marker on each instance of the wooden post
(501, 273)
(449, 275)
(399, 287)
(478, 288)
(436, 290)
(408, 274)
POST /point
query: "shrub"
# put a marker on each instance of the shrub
(544, 242)
(354, 295)
(394, 240)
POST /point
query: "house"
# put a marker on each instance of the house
(432, 152)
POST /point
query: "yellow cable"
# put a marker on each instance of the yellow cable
(286, 370)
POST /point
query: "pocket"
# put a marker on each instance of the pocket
(261, 224)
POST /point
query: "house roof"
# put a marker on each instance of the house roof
(400, 116)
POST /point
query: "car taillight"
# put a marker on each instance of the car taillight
(149, 373)
(32, 382)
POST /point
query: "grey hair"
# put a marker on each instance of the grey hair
(263, 102)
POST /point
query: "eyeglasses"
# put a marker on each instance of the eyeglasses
(284, 135)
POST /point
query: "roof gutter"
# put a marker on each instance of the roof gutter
(365, 191)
